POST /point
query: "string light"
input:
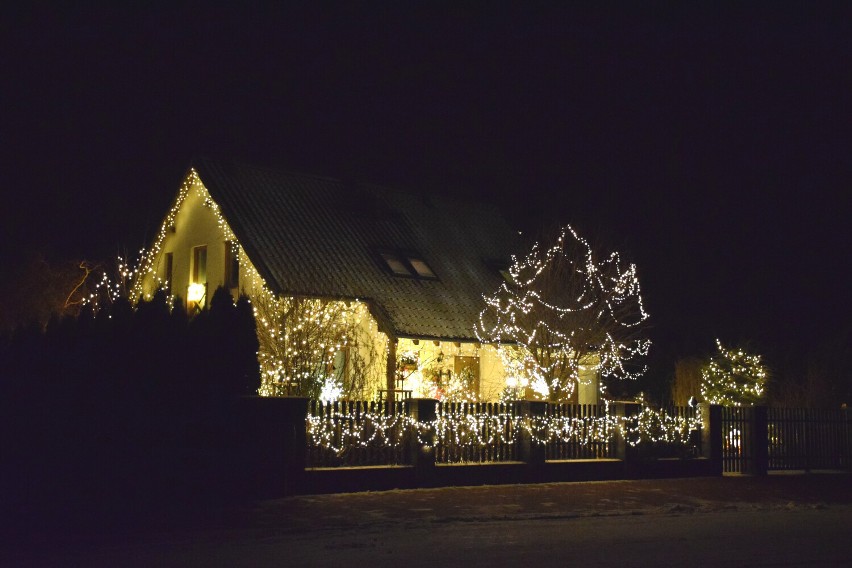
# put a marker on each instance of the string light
(561, 309)
(466, 425)
(733, 378)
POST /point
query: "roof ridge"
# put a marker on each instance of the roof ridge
(221, 161)
(424, 194)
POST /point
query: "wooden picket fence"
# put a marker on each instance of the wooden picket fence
(472, 432)
(585, 442)
(360, 433)
(754, 439)
(357, 433)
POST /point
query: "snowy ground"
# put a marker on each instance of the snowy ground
(790, 520)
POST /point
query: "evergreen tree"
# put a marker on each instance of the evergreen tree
(733, 377)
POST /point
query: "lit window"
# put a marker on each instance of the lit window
(197, 291)
(199, 265)
(395, 264)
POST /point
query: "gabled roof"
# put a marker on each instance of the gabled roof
(322, 237)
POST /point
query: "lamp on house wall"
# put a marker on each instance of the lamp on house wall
(196, 292)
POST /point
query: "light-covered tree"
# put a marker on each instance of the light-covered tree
(733, 377)
(315, 347)
(564, 309)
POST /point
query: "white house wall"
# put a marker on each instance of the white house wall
(195, 224)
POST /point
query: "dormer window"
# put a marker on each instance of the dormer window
(421, 268)
(395, 264)
(407, 264)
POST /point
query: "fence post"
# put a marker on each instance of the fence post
(758, 460)
(529, 450)
(620, 411)
(421, 443)
(711, 435)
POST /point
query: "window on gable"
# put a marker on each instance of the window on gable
(199, 265)
(197, 291)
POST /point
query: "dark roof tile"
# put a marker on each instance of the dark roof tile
(316, 236)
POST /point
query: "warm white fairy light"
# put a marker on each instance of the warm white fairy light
(287, 355)
(562, 308)
(110, 288)
(733, 378)
(330, 390)
(339, 427)
(479, 425)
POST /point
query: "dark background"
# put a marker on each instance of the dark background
(711, 145)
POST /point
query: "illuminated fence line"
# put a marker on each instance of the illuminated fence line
(373, 433)
(577, 431)
(357, 433)
(476, 432)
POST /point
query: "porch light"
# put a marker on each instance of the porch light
(196, 292)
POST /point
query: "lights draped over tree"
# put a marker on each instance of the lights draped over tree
(733, 377)
(318, 348)
(562, 310)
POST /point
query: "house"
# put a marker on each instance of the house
(357, 287)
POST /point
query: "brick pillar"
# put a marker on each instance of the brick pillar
(528, 450)
(758, 448)
(273, 437)
(421, 446)
(711, 435)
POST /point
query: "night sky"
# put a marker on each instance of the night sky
(713, 147)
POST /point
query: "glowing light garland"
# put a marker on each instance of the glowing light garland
(337, 430)
(340, 430)
(733, 378)
(559, 303)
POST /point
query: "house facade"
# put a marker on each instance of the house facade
(356, 287)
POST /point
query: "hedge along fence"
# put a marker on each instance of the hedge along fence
(347, 433)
